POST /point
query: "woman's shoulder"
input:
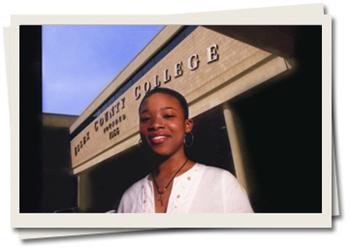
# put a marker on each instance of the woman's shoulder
(235, 198)
(212, 174)
(131, 196)
(214, 171)
(135, 188)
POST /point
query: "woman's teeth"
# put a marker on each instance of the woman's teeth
(158, 139)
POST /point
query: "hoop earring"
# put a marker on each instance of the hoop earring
(189, 139)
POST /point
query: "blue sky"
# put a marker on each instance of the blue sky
(80, 61)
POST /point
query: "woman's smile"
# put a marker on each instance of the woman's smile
(158, 139)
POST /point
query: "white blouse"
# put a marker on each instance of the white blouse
(201, 189)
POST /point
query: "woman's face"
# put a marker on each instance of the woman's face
(163, 125)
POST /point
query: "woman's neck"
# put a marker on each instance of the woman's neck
(168, 166)
(171, 164)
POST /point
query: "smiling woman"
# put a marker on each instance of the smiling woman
(176, 184)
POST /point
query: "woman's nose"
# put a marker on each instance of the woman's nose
(156, 123)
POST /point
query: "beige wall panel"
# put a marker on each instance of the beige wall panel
(234, 59)
(235, 87)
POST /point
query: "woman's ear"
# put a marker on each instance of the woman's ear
(188, 125)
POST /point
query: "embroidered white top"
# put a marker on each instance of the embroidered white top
(201, 189)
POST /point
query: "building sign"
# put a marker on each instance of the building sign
(203, 56)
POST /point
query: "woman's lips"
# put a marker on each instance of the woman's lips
(158, 139)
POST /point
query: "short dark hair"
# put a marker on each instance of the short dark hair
(171, 92)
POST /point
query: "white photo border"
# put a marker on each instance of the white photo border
(108, 220)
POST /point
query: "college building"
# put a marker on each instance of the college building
(254, 93)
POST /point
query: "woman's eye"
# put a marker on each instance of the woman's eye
(168, 116)
(144, 119)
